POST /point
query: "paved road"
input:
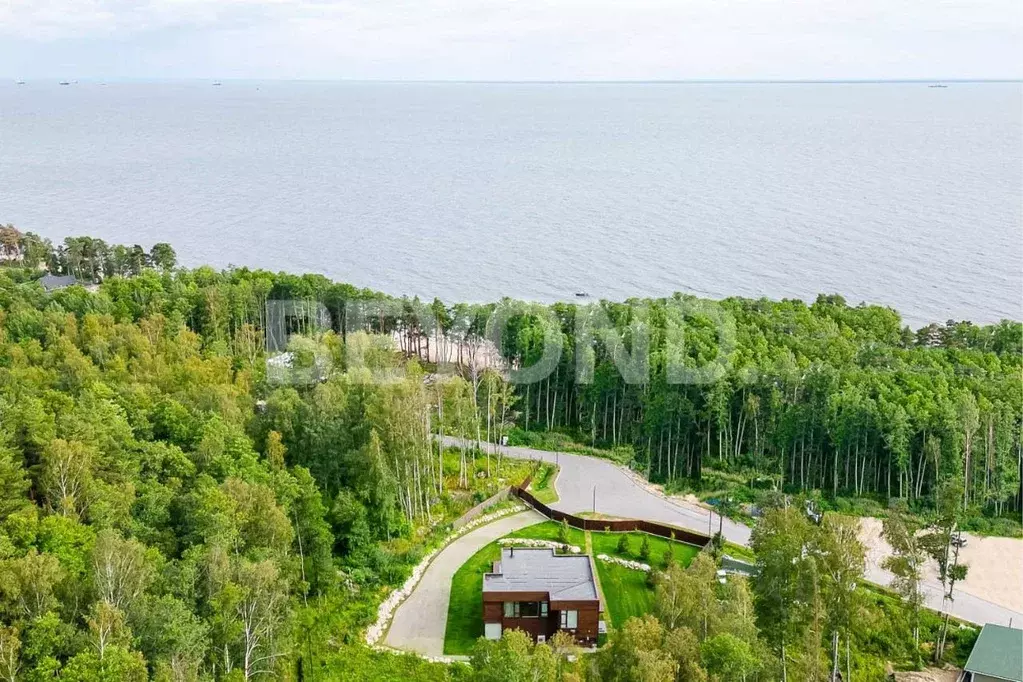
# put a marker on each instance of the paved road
(588, 484)
(418, 624)
(592, 484)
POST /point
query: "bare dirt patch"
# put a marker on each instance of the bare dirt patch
(996, 564)
(928, 675)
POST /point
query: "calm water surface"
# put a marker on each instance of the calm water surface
(898, 194)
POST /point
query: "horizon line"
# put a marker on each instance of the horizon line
(679, 81)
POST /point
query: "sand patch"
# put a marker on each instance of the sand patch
(996, 564)
(928, 675)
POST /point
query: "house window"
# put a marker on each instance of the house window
(511, 609)
(529, 609)
(543, 609)
(569, 620)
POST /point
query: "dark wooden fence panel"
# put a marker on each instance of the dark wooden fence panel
(617, 525)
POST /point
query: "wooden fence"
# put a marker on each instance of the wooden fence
(486, 504)
(618, 525)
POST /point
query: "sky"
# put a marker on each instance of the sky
(512, 39)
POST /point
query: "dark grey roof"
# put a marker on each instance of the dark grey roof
(51, 282)
(540, 570)
(998, 653)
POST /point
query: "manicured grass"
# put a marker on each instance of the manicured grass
(543, 487)
(465, 610)
(607, 543)
(625, 592)
(740, 552)
(549, 530)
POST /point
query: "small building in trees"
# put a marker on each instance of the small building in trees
(540, 593)
(997, 656)
(53, 282)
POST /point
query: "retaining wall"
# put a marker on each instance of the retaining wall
(617, 525)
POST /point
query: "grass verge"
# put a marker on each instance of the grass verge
(543, 485)
(465, 610)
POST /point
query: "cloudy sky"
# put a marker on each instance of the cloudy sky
(512, 39)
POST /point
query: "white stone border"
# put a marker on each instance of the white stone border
(546, 544)
(634, 565)
(376, 631)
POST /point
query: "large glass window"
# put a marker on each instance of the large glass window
(526, 609)
(569, 620)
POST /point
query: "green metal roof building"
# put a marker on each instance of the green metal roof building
(997, 656)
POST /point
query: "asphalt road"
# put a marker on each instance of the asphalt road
(418, 624)
(587, 484)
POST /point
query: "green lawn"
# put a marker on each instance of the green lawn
(625, 592)
(543, 484)
(607, 543)
(465, 610)
(740, 552)
(549, 530)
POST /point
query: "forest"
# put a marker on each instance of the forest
(170, 510)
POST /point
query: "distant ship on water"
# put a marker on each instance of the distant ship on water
(937, 85)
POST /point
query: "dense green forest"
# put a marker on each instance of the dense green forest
(165, 513)
(169, 511)
(842, 399)
(830, 397)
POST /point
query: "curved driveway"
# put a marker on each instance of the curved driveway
(418, 624)
(588, 484)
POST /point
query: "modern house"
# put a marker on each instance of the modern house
(997, 656)
(540, 592)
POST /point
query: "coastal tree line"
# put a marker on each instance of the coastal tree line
(87, 258)
(843, 399)
(167, 511)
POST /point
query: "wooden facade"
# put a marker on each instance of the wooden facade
(587, 619)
